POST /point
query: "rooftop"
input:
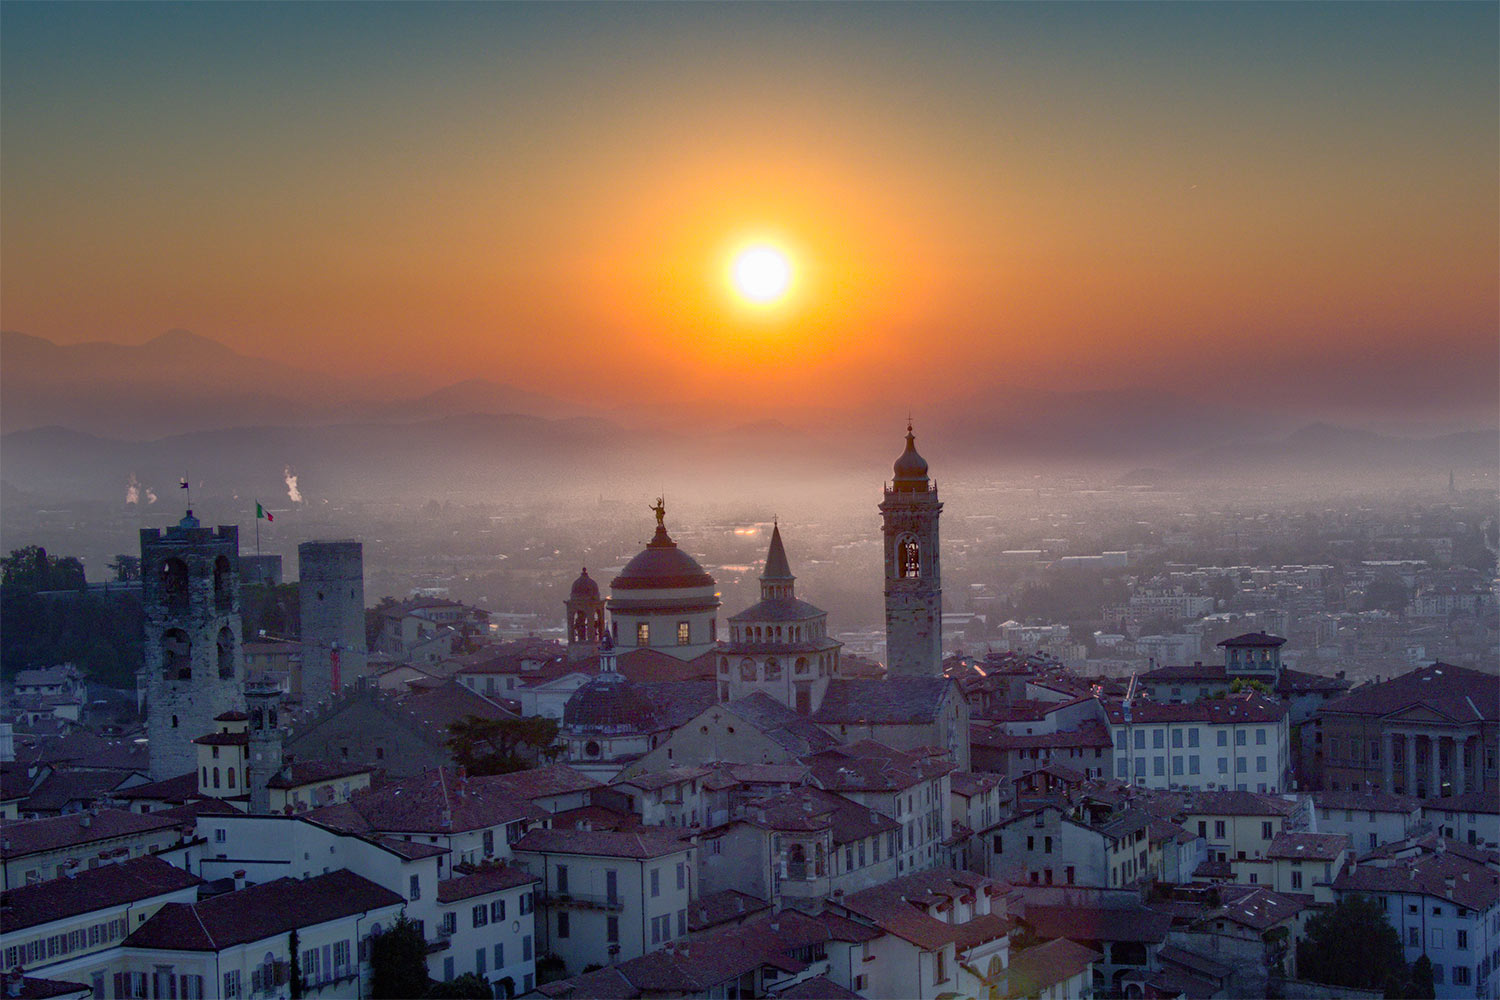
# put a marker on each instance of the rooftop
(91, 889)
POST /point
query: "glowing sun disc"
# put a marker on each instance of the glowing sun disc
(762, 274)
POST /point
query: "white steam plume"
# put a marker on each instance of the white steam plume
(132, 490)
(291, 485)
(150, 495)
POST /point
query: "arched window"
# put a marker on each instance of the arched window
(908, 557)
(173, 576)
(773, 669)
(216, 777)
(723, 664)
(223, 584)
(747, 669)
(801, 666)
(176, 655)
(822, 858)
(580, 626)
(230, 776)
(226, 654)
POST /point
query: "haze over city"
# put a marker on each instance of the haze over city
(791, 500)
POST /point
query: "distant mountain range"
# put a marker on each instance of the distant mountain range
(81, 420)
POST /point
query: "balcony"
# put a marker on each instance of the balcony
(581, 900)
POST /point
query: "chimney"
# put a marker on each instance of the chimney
(86, 820)
(239, 878)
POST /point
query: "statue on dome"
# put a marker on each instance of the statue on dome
(661, 512)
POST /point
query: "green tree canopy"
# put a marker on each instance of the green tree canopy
(398, 962)
(468, 986)
(1353, 944)
(31, 569)
(499, 746)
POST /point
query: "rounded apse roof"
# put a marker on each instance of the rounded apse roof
(609, 704)
(661, 565)
(585, 587)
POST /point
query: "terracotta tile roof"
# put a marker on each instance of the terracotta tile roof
(602, 843)
(1299, 681)
(969, 784)
(871, 766)
(892, 701)
(1253, 640)
(1432, 843)
(1200, 964)
(1091, 734)
(1459, 693)
(1442, 876)
(1248, 706)
(436, 801)
(662, 778)
(1097, 923)
(1034, 970)
(1308, 846)
(595, 818)
(260, 911)
(33, 988)
(223, 740)
(601, 984)
(816, 988)
(480, 880)
(1185, 673)
(717, 908)
(899, 907)
(789, 730)
(1228, 803)
(73, 829)
(178, 789)
(91, 889)
(1366, 801)
(695, 965)
(1257, 907)
(542, 782)
(306, 772)
(1469, 802)
(62, 787)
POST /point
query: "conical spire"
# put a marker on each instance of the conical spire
(776, 579)
(777, 568)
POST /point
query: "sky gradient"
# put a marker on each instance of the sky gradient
(1295, 203)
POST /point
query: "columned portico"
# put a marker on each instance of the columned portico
(1434, 768)
(1388, 761)
(1411, 763)
(1460, 746)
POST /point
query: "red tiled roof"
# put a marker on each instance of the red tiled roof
(1257, 907)
(91, 889)
(436, 801)
(481, 880)
(1442, 876)
(1032, 971)
(37, 835)
(1459, 693)
(722, 907)
(1310, 846)
(261, 911)
(602, 843)
(1090, 734)
(1097, 923)
(1233, 803)
(1238, 708)
(899, 907)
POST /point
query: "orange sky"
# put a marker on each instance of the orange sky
(1163, 195)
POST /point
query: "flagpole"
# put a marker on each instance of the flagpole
(257, 533)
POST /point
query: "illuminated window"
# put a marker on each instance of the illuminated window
(908, 558)
(643, 634)
(684, 633)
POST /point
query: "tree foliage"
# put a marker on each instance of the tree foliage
(398, 962)
(275, 608)
(469, 986)
(47, 617)
(1353, 944)
(499, 746)
(1420, 984)
(31, 569)
(294, 976)
(1249, 684)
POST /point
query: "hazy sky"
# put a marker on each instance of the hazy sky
(1278, 203)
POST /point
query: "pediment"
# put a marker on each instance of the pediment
(1421, 712)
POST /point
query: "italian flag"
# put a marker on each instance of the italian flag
(261, 512)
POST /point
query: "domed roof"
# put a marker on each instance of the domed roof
(610, 704)
(911, 467)
(584, 588)
(661, 565)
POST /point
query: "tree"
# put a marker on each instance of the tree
(32, 569)
(398, 962)
(127, 568)
(497, 746)
(469, 986)
(1420, 985)
(1248, 684)
(294, 976)
(1353, 944)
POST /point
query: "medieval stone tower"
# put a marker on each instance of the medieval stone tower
(913, 574)
(190, 590)
(332, 595)
(585, 609)
(263, 703)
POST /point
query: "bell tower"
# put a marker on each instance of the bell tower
(585, 611)
(190, 591)
(913, 573)
(263, 698)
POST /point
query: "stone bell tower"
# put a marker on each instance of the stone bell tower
(263, 699)
(194, 664)
(913, 572)
(585, 610)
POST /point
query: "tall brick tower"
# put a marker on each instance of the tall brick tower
(913, 572)
(190, 590)
(332, 595)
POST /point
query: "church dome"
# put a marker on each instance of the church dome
(661, 565)
(584, 588)
(911, 467)
(610, 704)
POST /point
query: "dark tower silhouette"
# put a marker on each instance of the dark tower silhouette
(263, 699)
(585, 610)
(913, 573)
(194, 666)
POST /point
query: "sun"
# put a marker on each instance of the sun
(761, 274)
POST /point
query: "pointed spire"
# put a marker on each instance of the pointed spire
(777, 567)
